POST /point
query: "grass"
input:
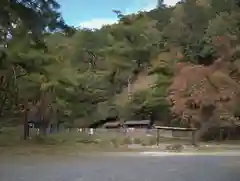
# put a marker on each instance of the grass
(67, 142)
(72, 143)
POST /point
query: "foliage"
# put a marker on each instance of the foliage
(83, 76)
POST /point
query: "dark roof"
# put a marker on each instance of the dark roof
(137, 122)
(174, 128)
(111, 124)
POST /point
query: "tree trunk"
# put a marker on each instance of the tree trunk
(43, 130)
(200, 132)
(25, 127)
(25, 132)
(51, 130)
(58, 126)
(129, 88)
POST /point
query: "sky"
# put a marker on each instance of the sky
(96, 13)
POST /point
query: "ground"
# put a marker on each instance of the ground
(79, 157)
(121, 168)
(73, 143)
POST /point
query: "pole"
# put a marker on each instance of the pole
(158, 137)
(25, 126)
(193, 138)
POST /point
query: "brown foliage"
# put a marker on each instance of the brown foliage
(195, 86)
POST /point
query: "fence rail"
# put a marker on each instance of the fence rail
(157, 134)
(175, 128)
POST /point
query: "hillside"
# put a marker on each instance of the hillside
(69, 74)
(142, 82)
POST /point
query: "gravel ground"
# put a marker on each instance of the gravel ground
(123, 167)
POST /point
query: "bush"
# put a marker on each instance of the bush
(114, 142)
(126, 141)
(149, 141)
(137, 141)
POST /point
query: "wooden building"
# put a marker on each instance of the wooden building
(137, 124)
(112, 125)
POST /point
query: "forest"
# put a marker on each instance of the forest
(178, 65)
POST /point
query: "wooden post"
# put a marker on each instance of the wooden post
(158, 137)
(221, 134)
(193, 138)
(129, 88)
(25, 126)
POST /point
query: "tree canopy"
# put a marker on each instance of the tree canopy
(170, 60)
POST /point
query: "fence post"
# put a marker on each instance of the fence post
(193, 138)
(158, 137)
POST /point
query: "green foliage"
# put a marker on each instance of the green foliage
(200, 51)
(152, 103)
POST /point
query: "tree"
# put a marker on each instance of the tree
(36, 16)
(26, 56)
(81, 76)
(160, 4)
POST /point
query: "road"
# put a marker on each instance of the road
(122, 168)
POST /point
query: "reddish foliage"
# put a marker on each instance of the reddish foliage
(198, 85)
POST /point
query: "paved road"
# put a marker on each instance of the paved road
(123, 168)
